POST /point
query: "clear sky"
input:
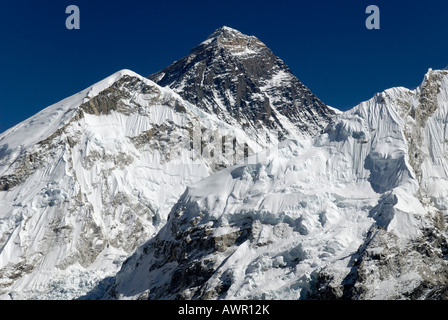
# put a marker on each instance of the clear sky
(325, 43)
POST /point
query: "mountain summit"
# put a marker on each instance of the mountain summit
(87, 180)
(238, 78)
(234, 41)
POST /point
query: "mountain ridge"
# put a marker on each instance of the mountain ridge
(226, 178)
(85, 181)
(358, 212)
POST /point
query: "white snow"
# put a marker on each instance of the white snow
(313, 202)
(102, 191)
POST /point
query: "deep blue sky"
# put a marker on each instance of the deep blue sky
(325, 43)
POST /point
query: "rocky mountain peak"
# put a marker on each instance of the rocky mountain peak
(234, 41)
(241, 81)
(225, 31)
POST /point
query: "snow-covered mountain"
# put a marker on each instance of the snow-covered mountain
(358, 212)
(238, 78)
(87, 180)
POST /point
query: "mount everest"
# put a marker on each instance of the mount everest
(87, 180)
(224, 177)
(239, 79)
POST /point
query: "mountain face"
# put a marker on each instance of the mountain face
(87, 180)
(238, 78)
(357, 212)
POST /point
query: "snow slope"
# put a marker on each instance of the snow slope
(87, 180)
(358, 212)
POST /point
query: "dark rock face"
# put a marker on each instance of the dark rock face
(380, 263)
(181, 257)
(239, 79)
